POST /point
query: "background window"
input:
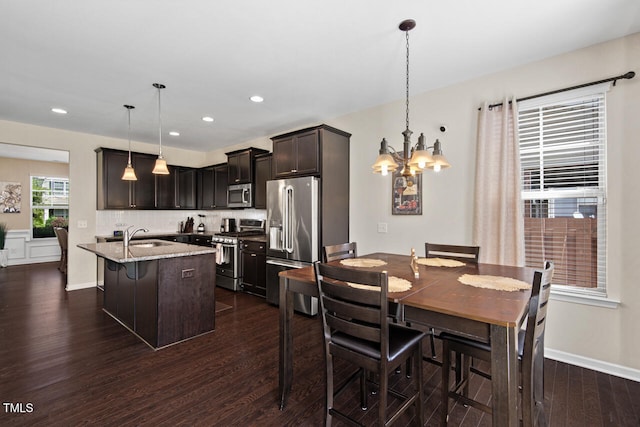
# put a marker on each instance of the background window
(49, 205)
(563, 170)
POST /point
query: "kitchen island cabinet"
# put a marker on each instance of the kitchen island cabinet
(163, 293)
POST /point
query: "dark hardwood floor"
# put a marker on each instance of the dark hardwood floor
(64, 362)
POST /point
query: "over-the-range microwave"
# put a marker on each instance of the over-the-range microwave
(240, 196)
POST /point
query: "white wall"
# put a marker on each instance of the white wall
(593, 336)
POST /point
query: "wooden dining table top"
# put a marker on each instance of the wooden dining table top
(437, 289)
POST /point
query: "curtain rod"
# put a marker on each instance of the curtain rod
(628, 75)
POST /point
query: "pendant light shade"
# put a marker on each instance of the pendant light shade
(129, 174)
(161, 164)
(385, 162)
(439, 161)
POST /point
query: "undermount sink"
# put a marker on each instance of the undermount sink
(149, 244)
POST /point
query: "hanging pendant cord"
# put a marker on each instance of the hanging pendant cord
(160, 121)
(629, 75)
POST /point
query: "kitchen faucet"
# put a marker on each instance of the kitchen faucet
(128, 236)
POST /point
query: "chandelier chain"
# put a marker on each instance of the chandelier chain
(407, 88)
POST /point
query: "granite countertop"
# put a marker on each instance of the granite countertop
(151, 235)
(144, 250)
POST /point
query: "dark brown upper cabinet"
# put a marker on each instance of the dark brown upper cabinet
(241, 165)
(176, 190)
(309, 151)
(264, 173)
(113, 192)
(212, 187)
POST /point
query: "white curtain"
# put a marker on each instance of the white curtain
(498, 222)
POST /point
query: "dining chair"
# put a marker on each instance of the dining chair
(466, 254)
(357, 330)
(457, 252)
(62, 235)
(340, 251)
(530, 357)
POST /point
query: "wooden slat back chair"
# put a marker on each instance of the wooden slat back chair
(341, 251)
(356, 329)
(466, 254)
(62, 235)
(350, 250)
(530, 356)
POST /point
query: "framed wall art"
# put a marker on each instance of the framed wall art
(10, 197)
(406, 197)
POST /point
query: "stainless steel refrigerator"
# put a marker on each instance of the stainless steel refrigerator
(293, 222)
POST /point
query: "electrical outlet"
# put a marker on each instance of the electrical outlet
(188, 273)
(82, 223)
(382, 227)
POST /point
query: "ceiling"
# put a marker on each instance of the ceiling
(311, 61)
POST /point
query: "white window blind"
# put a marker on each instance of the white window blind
(563, 171)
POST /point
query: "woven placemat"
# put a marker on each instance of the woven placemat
(498, 283)
(440, 262)
(362, 262)
(396, 284)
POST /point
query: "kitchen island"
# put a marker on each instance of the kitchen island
(161, 291)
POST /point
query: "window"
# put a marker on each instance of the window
(49, 205)
(563, 170)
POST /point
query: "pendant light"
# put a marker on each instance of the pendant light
(129, 174)
(413, 159)
(161, 164)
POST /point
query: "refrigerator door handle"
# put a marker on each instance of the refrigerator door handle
(287, 220)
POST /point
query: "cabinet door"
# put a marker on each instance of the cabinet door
(263, 174)
(239, 168)
(249, 269)
(143, 192)
(126, 293)
(254, 267)
(221, 183)
(146, 301)
(186, 188)
(113, 192)
(283, 157)
(110, 287)
(166, 190)
(206, 183)
(307, 153)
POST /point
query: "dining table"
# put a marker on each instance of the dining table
(437, 299)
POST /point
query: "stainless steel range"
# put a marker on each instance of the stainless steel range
(228, 272)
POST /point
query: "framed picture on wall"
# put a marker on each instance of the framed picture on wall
(406, 194)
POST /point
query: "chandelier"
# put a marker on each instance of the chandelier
(413, 160)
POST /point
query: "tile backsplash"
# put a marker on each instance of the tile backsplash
(161, 221)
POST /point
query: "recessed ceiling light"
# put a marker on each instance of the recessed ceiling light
(59, 111)
(257, 98)
(174, 133)
(207, 119)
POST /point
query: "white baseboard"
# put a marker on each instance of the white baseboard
(596, 365)
(77, 286)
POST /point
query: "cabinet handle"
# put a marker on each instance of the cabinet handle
(253, 254)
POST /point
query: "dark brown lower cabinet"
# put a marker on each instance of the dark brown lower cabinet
(162, 301)
(254, 267)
